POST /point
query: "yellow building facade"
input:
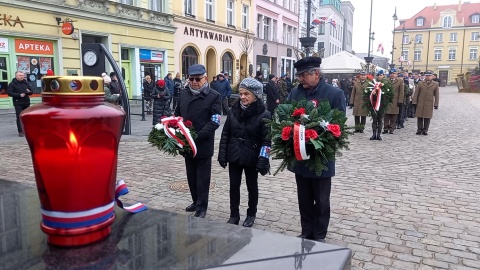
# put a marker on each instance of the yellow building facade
(444, 39)
(214, 33)
(138, 33)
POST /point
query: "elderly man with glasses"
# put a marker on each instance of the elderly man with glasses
(202, 106)
(313, 190)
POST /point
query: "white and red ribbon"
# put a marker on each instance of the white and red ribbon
(299, 142)
(170, 132)
(121, 189)
(375, 101)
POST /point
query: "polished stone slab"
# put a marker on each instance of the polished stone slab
(154, 239)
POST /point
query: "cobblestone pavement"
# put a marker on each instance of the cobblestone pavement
(408, 202)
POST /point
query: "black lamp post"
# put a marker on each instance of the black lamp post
(401, 52)
(414, 47)
(395, 18)
(308, 42)
(370, 29)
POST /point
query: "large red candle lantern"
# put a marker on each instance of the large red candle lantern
(73, 137)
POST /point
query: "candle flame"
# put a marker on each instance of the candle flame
(73, 146)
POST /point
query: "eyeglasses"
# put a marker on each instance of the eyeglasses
(197, 79)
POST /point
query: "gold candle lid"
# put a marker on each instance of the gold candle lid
(72, 85)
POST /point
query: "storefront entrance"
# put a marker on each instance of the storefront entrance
(189, 58)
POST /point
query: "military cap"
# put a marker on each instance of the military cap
(428, 72)
(393, 70)
(307, 63)
(380, 72)
(362, 72)
(196, 70)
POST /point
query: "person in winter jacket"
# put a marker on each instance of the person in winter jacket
(177, 87)
(202, 106)
(244, 146)
(20, 91)
(169, 83)
(282, 89)
(109, 96)
(161, 101)
(225, 90)
(213, 83)
(273, 97)
(148, 86)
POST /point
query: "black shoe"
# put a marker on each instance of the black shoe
(200, 214)
(385, 131)
(249, 221)
(361, 131)
(191, 208)
(379, 137)
(424, 133)
(374, 137)
(390, 132)
(419, 132)
(305, 236)
(402, 126)
(399, 127)
(21, 134)
(233, 220)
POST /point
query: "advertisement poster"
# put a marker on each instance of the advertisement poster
(45, 64)
(23, 64)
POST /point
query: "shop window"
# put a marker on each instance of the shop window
(3, 75)
(34, 67)
(189, 58)
(227, 63)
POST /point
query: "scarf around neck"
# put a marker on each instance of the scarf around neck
(197, 92)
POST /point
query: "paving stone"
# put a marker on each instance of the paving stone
(382, 260)
(436, 264)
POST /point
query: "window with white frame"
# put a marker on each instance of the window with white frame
(157, 5)
(437, 54)
(405, 55)
(259, 25)
(230, 14)
(438, 37)
(289, 35)
(128, 2)
(274, 30)
(294, 35)
(473, 53)
(452, 53)
(474, 36)
(447, 21)
(188, 5)
(406, 39)
(453, 37)
(476, 18)
(209, 10)
(245, 21)
(266, 28)
(417, 55)
(321, 28)
(418, 38)
(419, 21)
(294, 4)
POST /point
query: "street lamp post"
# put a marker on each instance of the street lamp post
(370, 29)
(395, 18)
(401, 52)
(414, 47)
(308, 42)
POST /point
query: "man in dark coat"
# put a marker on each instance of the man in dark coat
(259, 76)
(288, 79)
(273, 97)
(313, 190)
(19, 90)
(225, 90)
(115, 87)
(161, 101)
(202, 106)
(177, 87)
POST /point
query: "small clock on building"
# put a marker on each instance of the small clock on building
(90, 58)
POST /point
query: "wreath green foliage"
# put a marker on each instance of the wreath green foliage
(158, 138)
(387, 97)
(321, 149)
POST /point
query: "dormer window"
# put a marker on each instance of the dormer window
(420, 21)
(476, 18)
(447, 22)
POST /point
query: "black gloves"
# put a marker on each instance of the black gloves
(436, 107)
(399, 104)
(223, 164)
(263, 165)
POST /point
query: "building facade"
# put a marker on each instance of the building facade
(139, 35)
(347, 11)
(444, 39)
(211, 32)
(276, 36)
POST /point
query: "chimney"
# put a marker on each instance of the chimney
(459, 5)
(434, 6)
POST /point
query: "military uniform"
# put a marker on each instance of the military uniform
(359, 111)
(393, 110)
(426, 97)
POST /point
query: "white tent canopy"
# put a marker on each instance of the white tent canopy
(343, 62)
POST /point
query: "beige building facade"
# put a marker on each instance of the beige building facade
(139, 35)
(444, 39)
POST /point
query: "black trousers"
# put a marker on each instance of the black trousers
(360, 122)
(251, 175)
(411, 110)
(390, 122)
(377, 123)
(199, 171)
(18, 110)
(314, 205)
(423, 124)
(225, 108)
(401, 115)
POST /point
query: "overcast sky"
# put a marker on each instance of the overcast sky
(382, 22)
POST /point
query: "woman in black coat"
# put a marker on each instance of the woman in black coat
(148, 86)
(161, 101)
(245, 146)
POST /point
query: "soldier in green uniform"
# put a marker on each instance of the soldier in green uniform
(426, 98)
(282, 89)
(356, 100)
(391, 114)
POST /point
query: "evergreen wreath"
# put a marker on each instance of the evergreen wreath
(173, 146)
(387, 96)
(325, 133)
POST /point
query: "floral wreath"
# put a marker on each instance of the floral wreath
(378, 96)
(308, 131)
(174, 136)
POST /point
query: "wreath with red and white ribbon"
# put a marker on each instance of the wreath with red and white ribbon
(378, 96)
(174, 136)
